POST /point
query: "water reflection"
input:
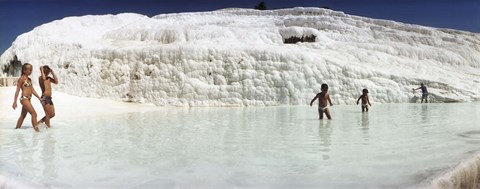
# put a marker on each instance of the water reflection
(208, 147)
(48, 156)
(325, 133)
(365, 128)
(365, 122)
(424, 113)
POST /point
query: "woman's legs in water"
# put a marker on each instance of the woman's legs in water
(28, 106)
(21, 118)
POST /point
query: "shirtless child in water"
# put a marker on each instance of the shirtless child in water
(365, 100)
(45, 82)
(322, 102)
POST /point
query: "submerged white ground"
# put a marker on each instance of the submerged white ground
(122, 145)
(238, 58)
(70, 109)
(394, 145)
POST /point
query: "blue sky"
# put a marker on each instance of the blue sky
(20, 16)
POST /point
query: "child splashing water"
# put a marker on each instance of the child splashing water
(25, 84)
(45, 82)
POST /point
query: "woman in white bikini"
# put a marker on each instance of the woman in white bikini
(25, 83)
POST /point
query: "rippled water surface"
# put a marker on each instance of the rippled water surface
(393, 145)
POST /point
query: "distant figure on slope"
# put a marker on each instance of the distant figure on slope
(322, 102)
(45, 82)
(25, 83)
(365, 100)
(424, 92)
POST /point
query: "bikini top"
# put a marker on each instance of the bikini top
(27, 82)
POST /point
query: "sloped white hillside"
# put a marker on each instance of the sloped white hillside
(238, 57)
